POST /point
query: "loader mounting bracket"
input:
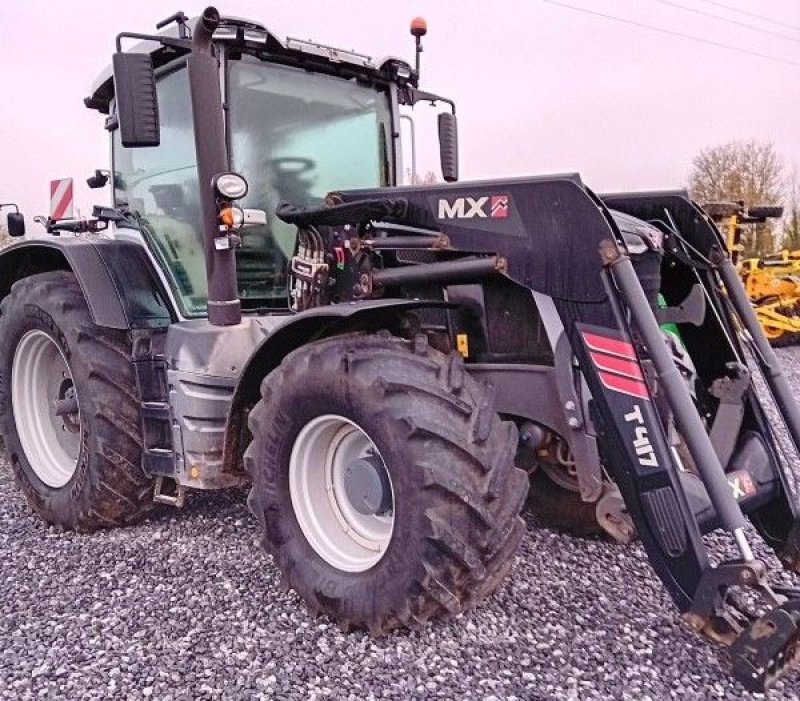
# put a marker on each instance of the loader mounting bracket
(760, 648)
(767, 647)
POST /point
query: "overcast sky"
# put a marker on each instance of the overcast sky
(540, 87)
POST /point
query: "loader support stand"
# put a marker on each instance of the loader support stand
(686, 417)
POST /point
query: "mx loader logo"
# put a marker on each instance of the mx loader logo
(494, 206)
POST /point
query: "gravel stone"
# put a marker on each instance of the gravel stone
(187, 606)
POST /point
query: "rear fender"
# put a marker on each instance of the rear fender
(117, 278)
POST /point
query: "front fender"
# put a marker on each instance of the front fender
(298, 330)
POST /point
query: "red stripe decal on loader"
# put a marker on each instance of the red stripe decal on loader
(618, 383)
(617, 365)
(613, 346)
(621, 366)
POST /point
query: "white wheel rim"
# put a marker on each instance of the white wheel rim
(39, 376)
(344, 537)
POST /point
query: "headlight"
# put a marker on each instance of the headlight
(231, 186)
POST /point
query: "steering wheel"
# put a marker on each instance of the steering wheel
(291, 165)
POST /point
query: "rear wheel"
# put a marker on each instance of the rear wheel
(384, 481)
(68, 407)
(554, 496)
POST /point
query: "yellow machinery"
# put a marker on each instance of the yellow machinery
(773, 282)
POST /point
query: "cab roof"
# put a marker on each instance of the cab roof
(253, 37)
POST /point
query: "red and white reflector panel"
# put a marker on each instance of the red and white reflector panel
(61, 199)
(617, 365)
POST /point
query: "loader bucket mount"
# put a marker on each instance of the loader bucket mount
(760, 647)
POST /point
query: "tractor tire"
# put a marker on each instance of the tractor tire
(81, 468)
(446, 497)
(765, 211)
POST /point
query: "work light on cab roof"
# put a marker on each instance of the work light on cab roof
(419, 28)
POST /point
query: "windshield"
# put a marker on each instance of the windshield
(296, 136)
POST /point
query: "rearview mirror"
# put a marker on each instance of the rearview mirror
(16, 224)
(98, 180)
(448, 146)
(137, 103)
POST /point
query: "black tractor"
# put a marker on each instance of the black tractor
(390, 368)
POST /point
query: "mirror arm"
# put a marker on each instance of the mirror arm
(415, 96)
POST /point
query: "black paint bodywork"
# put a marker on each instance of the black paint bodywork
(550, 237)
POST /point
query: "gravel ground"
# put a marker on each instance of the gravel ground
(187, 606)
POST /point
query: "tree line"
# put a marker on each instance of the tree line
(754, 173)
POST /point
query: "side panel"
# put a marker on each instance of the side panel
(117, 277)
(637, 454)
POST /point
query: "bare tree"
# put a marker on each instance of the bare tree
(416, 179)
(741, 170)
(791, 217)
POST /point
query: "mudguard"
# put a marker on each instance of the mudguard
(321, 322)
(299, 330)
(117, 277)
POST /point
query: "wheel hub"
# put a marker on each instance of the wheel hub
(366, 484)
(66, 406)
(45, 406)
(341, 493)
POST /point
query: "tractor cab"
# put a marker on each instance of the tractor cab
(300, 119)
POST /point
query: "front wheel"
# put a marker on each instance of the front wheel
(384, 481)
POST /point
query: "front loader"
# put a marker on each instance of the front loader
(389, 367)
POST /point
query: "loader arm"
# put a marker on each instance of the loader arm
(557, 238)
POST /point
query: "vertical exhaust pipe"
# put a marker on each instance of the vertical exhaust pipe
(224, 307)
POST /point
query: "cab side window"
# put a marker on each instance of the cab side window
(159, 184)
